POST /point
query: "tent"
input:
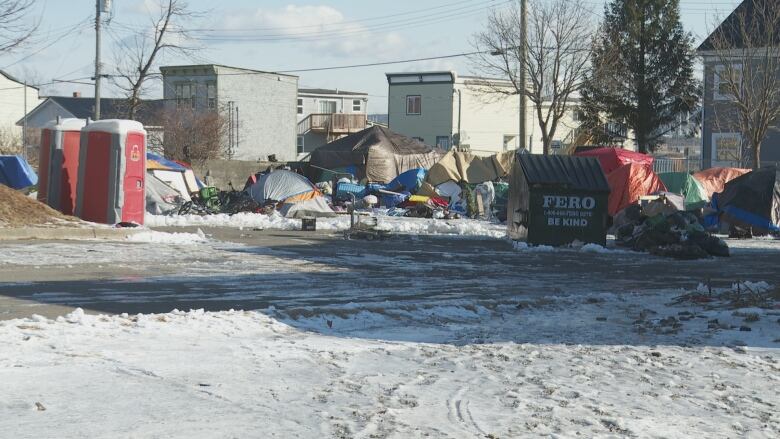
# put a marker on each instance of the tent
(410, 181)
(161, 199)
(175, 174)
(289, 188)
(752, 200)
(466, 167)
(713, 180)
(16, 173)
(378, 154)
(629, 182)
(613, 158)
(683, 183)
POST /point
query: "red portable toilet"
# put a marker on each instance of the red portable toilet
(58, 164)
(112, 170)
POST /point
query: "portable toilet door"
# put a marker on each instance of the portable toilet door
(59, 164)
(112, 171)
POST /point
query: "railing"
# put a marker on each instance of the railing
(665, 164)
(335, 123)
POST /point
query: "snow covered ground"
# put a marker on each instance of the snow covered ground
(591, 365)
(417, 226)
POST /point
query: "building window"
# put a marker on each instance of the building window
(419, 139)
(577, 115)
(443, 142)
(300, 106)
(300, 145)
(183, 93)
(357, 105)
(211, 95)
(727, 149)
(328, 107)
(414, 104)
(722, 82)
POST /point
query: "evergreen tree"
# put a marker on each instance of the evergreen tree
(642, 72)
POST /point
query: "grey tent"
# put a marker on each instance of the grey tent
(280, 185)
(161, 199)
(376, 153)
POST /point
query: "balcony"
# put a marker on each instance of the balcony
(332, 124)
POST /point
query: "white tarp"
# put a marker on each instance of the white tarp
(316, 207)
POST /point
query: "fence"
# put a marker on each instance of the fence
(664, 164)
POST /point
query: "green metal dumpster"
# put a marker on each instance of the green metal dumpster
(555, 200)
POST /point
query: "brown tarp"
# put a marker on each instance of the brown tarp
(714, 179)
(469, 168)
(379, 154)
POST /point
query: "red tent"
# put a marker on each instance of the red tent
(629, 182)
(714, 179)
(613, 158)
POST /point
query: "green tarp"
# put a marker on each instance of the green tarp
(686, 185)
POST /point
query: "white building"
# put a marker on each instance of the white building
(12, 104)
(325, 115)
(444, 109)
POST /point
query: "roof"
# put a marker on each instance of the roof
(580, 173)
(216, 66)
(731, 28)
(12, 78)
(327, 91)
(110, 108)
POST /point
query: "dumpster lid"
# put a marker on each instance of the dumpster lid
(581, 173)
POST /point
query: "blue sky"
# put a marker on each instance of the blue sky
(286, 35)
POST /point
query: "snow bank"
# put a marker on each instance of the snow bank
(401, 225)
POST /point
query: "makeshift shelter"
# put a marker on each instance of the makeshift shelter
(466, 167)
(288, 189)
(162, 199)
(613, 158)
(16, 173)
(174, 174)
(629, 182)
(683, 183)
(377, 154)
(557, 199)
(752, 200)
(713, 180)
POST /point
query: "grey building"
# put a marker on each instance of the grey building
(260, 107)
(325, 115)
(722, 142)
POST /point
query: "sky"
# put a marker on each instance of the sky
(283, 35)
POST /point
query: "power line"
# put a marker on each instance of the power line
(77, 27)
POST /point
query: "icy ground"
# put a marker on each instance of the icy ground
(417, 226)
(592, 365)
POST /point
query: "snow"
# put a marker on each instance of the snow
(66, 124)
(154, 237)
(402, 225)
(119, 126)
(590, 365)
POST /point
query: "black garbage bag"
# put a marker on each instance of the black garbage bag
(711, 244)
(684, 251)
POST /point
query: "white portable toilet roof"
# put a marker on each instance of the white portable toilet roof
(68, 124)
(119, 126)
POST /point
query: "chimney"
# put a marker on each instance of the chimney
(76, 94)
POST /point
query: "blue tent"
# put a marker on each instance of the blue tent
(16, 173)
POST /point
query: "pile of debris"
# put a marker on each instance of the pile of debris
(19, 210)
(664, 231)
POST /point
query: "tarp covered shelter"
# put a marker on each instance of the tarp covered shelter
(683, 183)
(629, 182)
(174, 174)
(161, 199)
(296, 194)
(753, 200)
(613, 158)
(378, 154)
(713, 180)
(466, 167)
(16, 173)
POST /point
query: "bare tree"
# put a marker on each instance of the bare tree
(193, 136)
(138, 55)
(14, 30)
(746, 47)
(558, 48)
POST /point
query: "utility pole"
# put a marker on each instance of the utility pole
(24, 124)
(521, 72)
(97, 60)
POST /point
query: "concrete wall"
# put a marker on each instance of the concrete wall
(720, 122)
(436, 110)
(222, 172)
(267, 112)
